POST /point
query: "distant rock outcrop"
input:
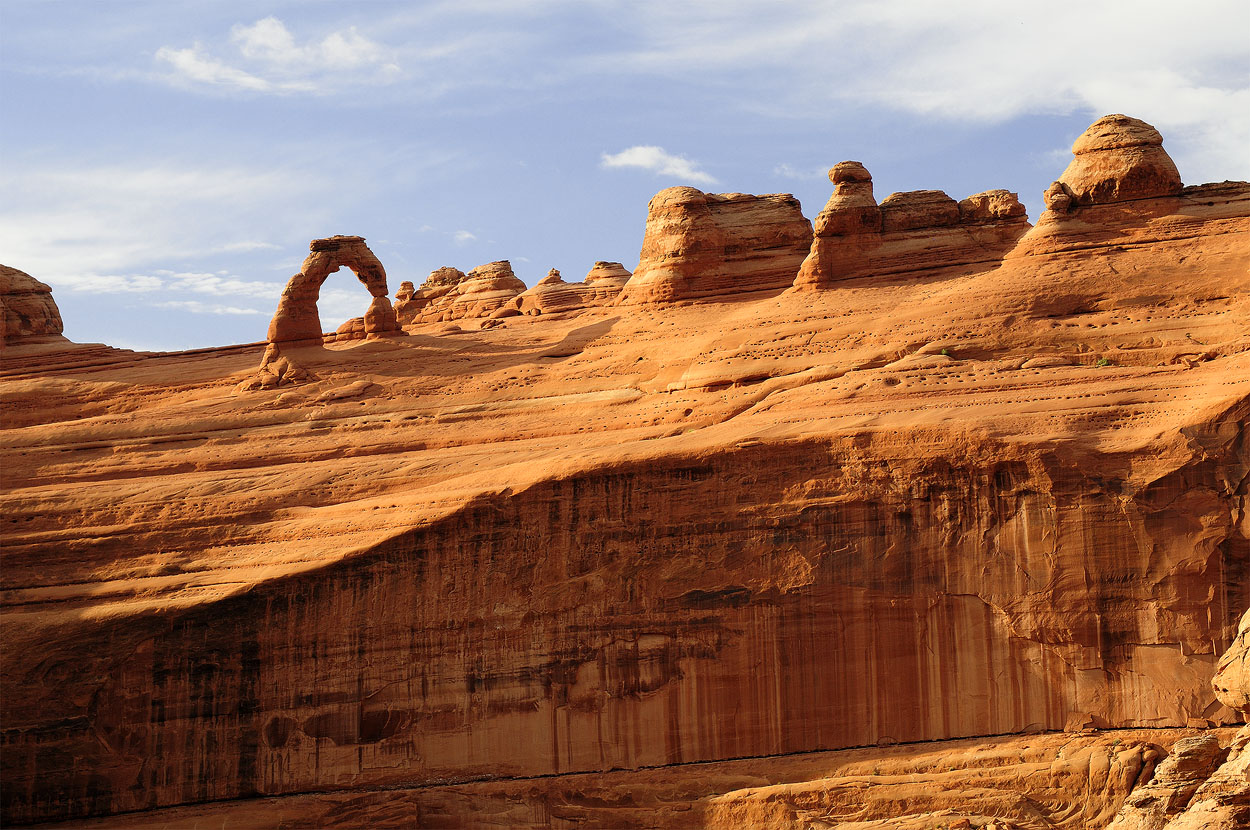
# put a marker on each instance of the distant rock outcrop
(26, 307)
(552, 294)
(700, 244)
(607, 275)
(450, 294)
(911, 231)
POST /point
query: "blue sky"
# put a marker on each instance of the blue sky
(165, 164)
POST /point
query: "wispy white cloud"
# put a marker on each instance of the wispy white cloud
(267, 59)
(463, 237)
(91, 283)
(197, 307)
(220, 286)
(248, 246)
(126, 227)
(804, 174)
(655, 159)
(1179, 67)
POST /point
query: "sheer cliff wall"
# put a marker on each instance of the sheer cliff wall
(756, 602)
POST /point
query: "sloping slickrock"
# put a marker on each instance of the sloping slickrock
(911, 232)
(700, 244)
(26, 307)
(1038, 782)
(621, 541)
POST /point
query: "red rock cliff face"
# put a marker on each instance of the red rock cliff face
(885, 594)
(970, 504)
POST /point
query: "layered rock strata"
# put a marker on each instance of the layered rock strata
(918, 510)
(449, 294)
(27, 309)
(1119, 159)
(915, 231)
(552, 294)
(700, 244)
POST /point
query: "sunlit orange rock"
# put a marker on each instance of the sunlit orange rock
(26, 307)
(879, 544)
(700, 244)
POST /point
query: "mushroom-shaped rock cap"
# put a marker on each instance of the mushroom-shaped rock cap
(1112, 132)
(553, 277)
(849, 171)
(1119, 159)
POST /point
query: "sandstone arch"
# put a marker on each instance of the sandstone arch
(297, 323)
(297, 318)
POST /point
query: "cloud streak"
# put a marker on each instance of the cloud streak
(658, 161)
(267, 59)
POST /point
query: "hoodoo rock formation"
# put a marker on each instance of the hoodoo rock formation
(841, 558)
(700, 244)
(552, 294)
(449, 294)
(26, 307)
(915, 231)
(1119, 159)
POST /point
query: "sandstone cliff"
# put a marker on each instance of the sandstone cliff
(410, 589)
(704, 244)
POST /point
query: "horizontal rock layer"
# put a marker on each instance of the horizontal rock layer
(705, 244)
(1007, 500)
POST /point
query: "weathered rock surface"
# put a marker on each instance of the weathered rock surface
(297, 319)
(1187, 793)
(296, 325)
(1119, 159)
(1151, 806)
(917, 231)
(1232, 673)
(1038, 782)
(626, 538)
(552, 294)
(449, 294)
(607, 275)
(700, 244)
(26, 307)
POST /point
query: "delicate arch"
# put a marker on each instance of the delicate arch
(297, 317)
